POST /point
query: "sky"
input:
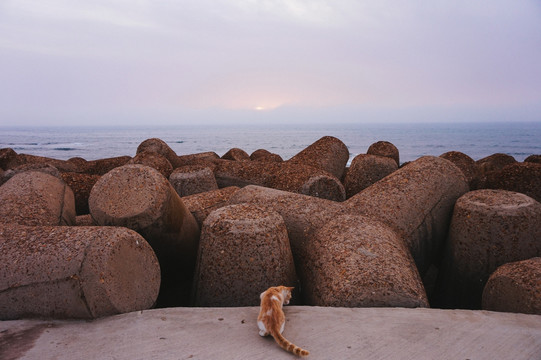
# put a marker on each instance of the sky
(74, 62)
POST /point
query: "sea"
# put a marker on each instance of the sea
(413, 140)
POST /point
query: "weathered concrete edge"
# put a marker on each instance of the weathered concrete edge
(231, 333)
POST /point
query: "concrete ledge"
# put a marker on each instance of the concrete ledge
(231, 333)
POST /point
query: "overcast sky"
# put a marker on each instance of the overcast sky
(135, 61)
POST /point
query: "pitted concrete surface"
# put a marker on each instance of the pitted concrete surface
(231, 333)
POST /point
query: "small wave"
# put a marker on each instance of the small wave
(23, 144)
(64, 148)
(178, 142)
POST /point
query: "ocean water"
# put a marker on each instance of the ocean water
(477, 140)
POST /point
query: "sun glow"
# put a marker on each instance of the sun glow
(259, 108)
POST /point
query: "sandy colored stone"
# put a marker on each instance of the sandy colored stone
(140, 198)
(236, 154)
(192, 179)
(41, 167)
(417, 200)
(488, 229)
(202, 204)
(265, 155)
(302, 214)
(204, 158)
(160, 147)
(154, 160)
(536, 158)
(494, 162)
(103, 166)
(523, 177)
(465, 163)
(366, 170)
(84, 220)
(243, 251)
(36, 198)
(287, 176)
(515, 287)
(385, 148)
(354, 261)
(328, 154)
(81, 184)
(7, 157)
(75, 272)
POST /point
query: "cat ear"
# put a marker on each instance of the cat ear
(291, 288)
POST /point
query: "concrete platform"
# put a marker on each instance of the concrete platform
(231, 333)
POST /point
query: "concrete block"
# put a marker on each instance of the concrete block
(366, 170)
(140, 198)
(328, 154)
(36, 198)
(386, 149)
(192, 179)
(489, 228)
(354, 261)
(202, 204)
(75, 272)
(243, 251)
(515, 287)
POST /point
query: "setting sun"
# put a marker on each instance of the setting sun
(259, 108)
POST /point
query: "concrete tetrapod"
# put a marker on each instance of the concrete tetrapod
(192, 179)
(287, 176)
(75, 272)
(202, 204)
(354, 261)
(489, 228)
(366, 170)
(417, 200)
(243, 251)
(36, 198)
(328, 154)
(515, 287)
(140, 198)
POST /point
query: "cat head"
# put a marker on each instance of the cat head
(286, 293)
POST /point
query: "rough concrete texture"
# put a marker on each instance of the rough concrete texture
(36, 198)
(192, 179)
(243, 251)
(26, 159)
(84, 220)
(236, 154)
(288, 176)
(202, 204)
(265, 155)
(7, 156)
(159, 146)
(328, 154)
(75, 272)
(494, 162)
(515, 287)
(154, 160)
(366, 170)
(140, 198)
(489, 228)
(465, 163)
(81, 185)
(231, 333)
(417, 200)
(534, 159)
(520, 177)
(302, 214)
(44, 168)
(103, 166)
(354, 261)
(384, 148)
(204, 158)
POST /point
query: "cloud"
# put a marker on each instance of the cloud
(133, 57)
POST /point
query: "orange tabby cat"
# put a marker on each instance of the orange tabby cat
(271, 319)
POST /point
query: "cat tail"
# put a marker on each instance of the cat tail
(288, 345)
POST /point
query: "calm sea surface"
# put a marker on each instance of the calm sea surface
(412, 140)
